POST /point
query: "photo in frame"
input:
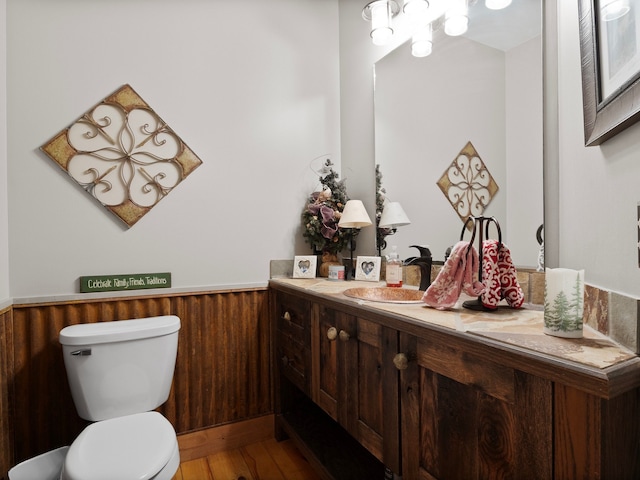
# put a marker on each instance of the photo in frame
(304, 266)
(368, 268)
(610, 58)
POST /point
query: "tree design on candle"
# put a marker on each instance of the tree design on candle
(564, 302)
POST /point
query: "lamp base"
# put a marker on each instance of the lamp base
(349, 271)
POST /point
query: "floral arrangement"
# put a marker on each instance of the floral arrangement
(323, 211)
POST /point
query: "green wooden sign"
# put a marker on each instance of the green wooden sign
(133, 281)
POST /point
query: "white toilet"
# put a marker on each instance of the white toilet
(119, 372)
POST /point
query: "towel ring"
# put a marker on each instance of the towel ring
(486, 230)
(471, 219)
(478, 224)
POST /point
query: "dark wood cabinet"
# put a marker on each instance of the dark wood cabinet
(356, 382)
(436, 403)
(293, 340)
(464, 416)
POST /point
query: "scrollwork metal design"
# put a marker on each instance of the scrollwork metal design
(122, 145)
(468, 184)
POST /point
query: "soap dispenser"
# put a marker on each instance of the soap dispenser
(393, 274)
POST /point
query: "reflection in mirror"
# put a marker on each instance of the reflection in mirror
(485, 88)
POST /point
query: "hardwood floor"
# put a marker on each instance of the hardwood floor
(265, 460)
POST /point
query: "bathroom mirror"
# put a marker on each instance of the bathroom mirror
(484, 87)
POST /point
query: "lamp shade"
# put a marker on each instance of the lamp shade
(393, 216)
(354, 215)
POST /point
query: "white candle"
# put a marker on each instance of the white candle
(563, 302)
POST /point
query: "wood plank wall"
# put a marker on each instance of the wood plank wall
(222, 370)
(6, 367)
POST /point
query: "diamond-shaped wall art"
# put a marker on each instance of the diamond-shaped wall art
(123, 154)
(468, 184)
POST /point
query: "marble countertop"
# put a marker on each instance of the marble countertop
(521, 328)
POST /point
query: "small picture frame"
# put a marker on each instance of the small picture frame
(368, 268)
(304, 266)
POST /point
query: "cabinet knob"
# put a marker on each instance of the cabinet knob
(332, 333)
(286, 361)
(401, 361)
(344, 336)
(287, 316)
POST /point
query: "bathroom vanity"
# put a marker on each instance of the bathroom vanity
(461, 394)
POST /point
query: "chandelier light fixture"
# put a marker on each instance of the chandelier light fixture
(426, 16)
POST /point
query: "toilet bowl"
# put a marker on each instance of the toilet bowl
(118, 373)
(142, 446)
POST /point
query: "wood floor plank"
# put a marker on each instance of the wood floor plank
(264, 460)
(261, 463)
(194, 470)
(290, 461)
(229, 465)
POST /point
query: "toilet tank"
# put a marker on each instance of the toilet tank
(122, 367)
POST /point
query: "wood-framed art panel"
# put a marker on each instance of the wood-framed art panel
(609, 107)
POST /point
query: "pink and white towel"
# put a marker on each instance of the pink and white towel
(499, 276)
(458, 274)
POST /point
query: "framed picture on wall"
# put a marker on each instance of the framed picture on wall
(304, 266)
(610, 58)
(368, 268)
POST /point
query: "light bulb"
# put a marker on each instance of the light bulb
(456, 18)
(614, 9)
(497, 4)
(422, 42)
(417, 11)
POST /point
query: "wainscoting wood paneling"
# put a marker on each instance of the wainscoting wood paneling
(6, 369)
(222, 370)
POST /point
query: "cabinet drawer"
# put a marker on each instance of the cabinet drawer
(294, 361)
(294, 318)
(293, 340)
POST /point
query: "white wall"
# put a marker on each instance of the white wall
(255, 137)
(598, 185)
(251, 86)
(423, 119)
(357, 57)
(4, 198)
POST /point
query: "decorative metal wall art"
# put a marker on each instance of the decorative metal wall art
(123, 154)
(468, 184)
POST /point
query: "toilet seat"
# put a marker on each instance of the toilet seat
(132, 447)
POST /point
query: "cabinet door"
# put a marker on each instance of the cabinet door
(464, 416)
(326, 325)
(355, 381)
(293, 340)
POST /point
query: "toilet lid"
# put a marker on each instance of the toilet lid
(131, 447)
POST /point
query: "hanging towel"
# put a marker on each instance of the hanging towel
(499, 276)
(457, 275)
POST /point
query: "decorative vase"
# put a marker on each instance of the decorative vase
(327, 260)
(563, 302)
